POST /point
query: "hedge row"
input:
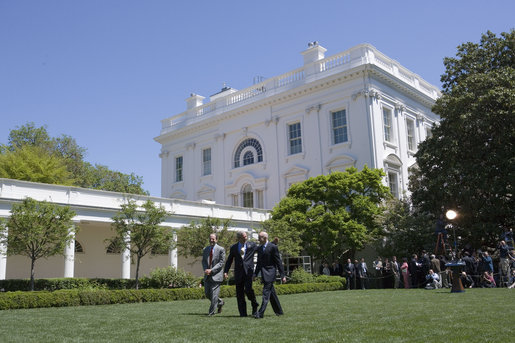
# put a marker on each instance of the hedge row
(55, 284)
(76, 297)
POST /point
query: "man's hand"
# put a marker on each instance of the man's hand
(284, 279)
(226, 276)
(207, 271)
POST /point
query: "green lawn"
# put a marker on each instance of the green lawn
(478, 315)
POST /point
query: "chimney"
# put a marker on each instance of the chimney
(194, 100)
(314, 53)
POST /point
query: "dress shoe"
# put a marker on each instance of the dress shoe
(220, 307)
(258, 316)
(254, 310)
(279, 314)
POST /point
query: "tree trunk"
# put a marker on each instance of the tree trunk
(137, 271)
(33, 261)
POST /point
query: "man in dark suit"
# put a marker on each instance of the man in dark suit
(362, 273)
(269, 261)
(349, 272)
(213, 259)
(243, 255)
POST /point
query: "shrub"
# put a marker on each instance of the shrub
(171, 277)
(329, 278)
(76, 297)
(299, 275)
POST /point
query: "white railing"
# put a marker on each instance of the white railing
(246, 94)
(361, 54)
(290, 77)
(334, 61)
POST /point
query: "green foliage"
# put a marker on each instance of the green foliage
(171, 277)
(330, 279)
(37, 229)
(78, 297)
(468, 163)
(33, 163)
(140, 231)
(328, 214)
(299, 275)
(101, 177)
(192, 239)
(32, 155)
(405, 230)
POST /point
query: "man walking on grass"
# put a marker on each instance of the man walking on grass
(213, 259)
(269, 261)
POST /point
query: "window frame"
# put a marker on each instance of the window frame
(207, 164)
(344, 126)
(296, 141)
(179, 169)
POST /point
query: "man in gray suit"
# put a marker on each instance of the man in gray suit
(213, 259)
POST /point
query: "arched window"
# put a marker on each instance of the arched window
(247, 196)
(78, 247)
(113, 249)
(248, 158)
(251, 150)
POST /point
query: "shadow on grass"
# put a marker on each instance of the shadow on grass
(205, 315)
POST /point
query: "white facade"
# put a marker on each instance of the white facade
(87, 254)
(247, 147)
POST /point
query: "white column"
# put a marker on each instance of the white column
(172, 253)
(3, 258)
(69, 255)
(126, 260)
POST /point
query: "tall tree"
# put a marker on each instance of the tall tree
(63, 150)
(192, 239)
(139, 230)
(469, 162)
(333, 213)
(404, 230)
(37, 229)
(33, 163)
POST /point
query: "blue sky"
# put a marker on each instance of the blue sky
(107, 71)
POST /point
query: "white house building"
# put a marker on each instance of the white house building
(87, 254)
(245, 148)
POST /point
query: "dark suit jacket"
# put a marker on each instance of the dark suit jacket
(349, 270)
(242, 266)
(362, 270)
(269, 261)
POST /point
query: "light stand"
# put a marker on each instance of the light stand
(456, 265)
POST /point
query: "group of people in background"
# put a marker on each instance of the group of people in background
(429, 271)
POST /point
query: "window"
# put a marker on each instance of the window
(393, 183)
(339, 126)
(206, 161)
(387, 124)
(78, 247)
(248, 196)
(252, 146)
(248, 158)
(234, 199)
(260, 201)
(113, 249)
(429, 132)
(410, 131)
(295, 138)
(178, 169)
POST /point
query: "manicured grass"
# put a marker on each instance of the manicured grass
(478, 315)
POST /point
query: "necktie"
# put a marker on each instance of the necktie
(210, 257)
(242, 251)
